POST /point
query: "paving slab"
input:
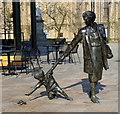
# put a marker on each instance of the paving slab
(74, 82)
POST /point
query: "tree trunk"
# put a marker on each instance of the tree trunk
(58, 35)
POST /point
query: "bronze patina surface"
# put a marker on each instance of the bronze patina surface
(95, 59)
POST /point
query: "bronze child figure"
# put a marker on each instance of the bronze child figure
(93, 38)
(50, 84)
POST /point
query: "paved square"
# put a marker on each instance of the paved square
(73, 81)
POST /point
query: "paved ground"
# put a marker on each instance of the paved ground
(74, 82)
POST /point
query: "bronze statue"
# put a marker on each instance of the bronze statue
(50, 84)
(94, 42)
(93, 38)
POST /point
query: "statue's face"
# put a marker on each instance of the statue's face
(88, 20)
(39, 75)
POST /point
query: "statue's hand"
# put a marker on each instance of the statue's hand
(50, 73)
(27, 94)
(70, 98)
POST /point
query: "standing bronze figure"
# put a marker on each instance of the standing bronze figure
(94, 50)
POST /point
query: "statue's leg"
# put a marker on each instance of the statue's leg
(95, 88)
(64, 94)
(91, 89)
(93, 83)
(51, 95)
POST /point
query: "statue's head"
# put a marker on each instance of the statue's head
(38, 74)
(89, 17)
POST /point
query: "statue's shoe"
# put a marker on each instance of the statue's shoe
(95, 96)
(94, 99)
(51, 96)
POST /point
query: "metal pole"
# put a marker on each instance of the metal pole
(100, 12)
(17, 25)
(92, 5)
(33, 24)
(108, 19)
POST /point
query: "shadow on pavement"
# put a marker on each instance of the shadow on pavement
(117, 61)
(42, 94)
(86, 87)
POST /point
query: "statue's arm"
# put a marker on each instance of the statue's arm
(35, 88)
(103, 32)
(72, 45)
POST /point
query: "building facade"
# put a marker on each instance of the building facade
(106, 13)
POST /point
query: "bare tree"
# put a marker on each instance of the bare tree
(59, 15)
(7, 16)
(9, 23)
(74, 19)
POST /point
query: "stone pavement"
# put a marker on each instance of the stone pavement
(73, 81)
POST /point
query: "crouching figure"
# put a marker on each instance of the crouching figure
(50, 84)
